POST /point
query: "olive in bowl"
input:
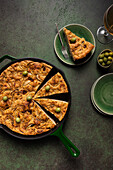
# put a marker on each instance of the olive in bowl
(105, 58)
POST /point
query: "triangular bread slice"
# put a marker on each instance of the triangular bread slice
(52, 105)
(37, 72)
(56, 84)
(32, 121)
(78, 47)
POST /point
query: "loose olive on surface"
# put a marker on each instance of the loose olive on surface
(5, 98)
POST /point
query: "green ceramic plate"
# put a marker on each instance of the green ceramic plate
(102, 94)
(80, 31)
(92, 98)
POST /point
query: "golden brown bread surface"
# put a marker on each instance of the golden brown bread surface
(13, 75)
(17, 87)
(51, 105)
(57, 85)
(33, 120)
(19, 114)
(78, 49)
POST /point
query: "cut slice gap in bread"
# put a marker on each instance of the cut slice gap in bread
(56, 107)
(56, 85)
(35, 122)
(50, 115)
(50, 74)
(62, 96)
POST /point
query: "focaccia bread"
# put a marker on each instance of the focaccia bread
(26, 74)
(18, 91)
(55, 85)
(78, 47)
(32, 119)
(8, 103)
(57, 107)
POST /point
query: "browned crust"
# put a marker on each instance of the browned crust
(57, 86)
(13, 75)
(33, 120)
(52, 104)
(17, 87)
(80, 48)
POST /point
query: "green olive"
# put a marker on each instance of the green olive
(25, 73)
(100, 60)
(29, 98)
(108, 62)
(110, 58)
(5, 98)
(17, 119)
(106, 54)
(101, 55)
(47, 88)
(58, 109)
(111, 53)
(73, 40)
(105, 59)
(103, 64)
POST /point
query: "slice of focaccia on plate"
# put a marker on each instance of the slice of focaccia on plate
(78, 47)
(57, 107)
(30, 120)
(55, 85)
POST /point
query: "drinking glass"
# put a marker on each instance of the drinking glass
(105, 32)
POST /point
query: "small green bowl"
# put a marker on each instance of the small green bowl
(104, 66)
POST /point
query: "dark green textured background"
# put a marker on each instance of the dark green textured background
(27, 29)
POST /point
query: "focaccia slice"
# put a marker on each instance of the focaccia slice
(36, 73)
(78, 47)
(57, 107)
(33, 120)
(55, 85)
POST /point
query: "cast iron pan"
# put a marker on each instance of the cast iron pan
(57, 131)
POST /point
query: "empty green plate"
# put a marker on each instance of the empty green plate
(80, 31)
(102, 94)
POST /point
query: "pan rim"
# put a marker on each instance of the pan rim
(50, 132)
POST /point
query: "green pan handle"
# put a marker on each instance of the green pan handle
(67, 143)
(7, 57)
